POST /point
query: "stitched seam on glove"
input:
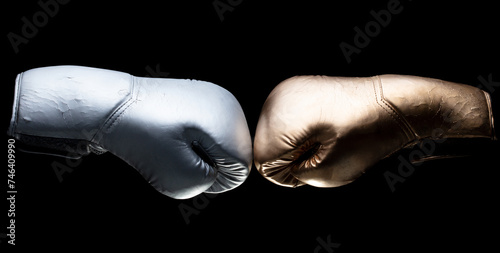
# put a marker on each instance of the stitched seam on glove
(117, 113)
(390, 109)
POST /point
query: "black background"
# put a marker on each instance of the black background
(445, 205)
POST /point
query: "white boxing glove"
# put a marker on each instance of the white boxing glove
(185, 137)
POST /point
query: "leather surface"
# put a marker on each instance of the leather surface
(151, 123)
(327, 131)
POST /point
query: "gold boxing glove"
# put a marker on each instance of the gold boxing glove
(327, 131)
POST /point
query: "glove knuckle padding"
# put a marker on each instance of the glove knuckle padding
(326, 131)
(185, 137)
